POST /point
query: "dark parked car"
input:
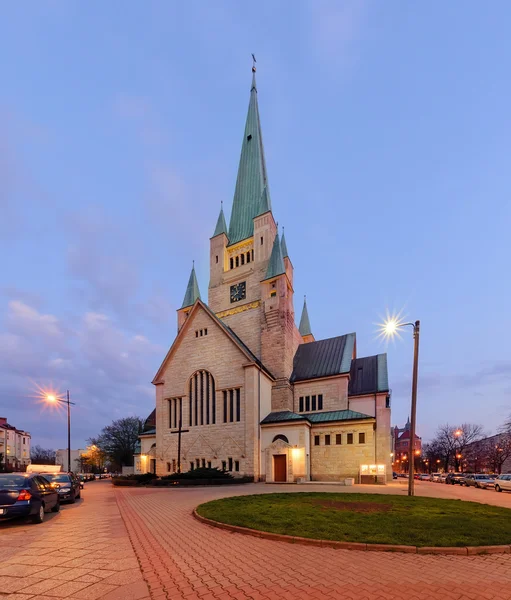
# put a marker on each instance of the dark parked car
(26, 495)
(453, 478)
(68, 486)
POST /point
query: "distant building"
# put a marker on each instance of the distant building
(489, 455)
(14, 446)
(401, 447)
(145, 451)
(61, 459)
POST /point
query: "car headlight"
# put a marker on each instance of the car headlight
(65, 490)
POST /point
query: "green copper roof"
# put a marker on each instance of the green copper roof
(252, 179)
(265, 203)
(221, 226)
(283, 246)
(192, 290)
(383, 375)
(337, 415)
(305, 326)
(276, 262)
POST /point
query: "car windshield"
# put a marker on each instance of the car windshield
(58, 478)
(481, 477)
(12, 481)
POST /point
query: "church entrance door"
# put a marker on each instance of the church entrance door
(279, 467)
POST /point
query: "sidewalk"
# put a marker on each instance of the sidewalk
(83, 552)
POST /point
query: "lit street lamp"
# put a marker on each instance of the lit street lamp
(389, 329)
(53, 399)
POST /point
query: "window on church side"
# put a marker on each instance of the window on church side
(350, 438)
(224, 465)
(387, 402)
(203, 463)
(206, 331)
(238, 405)
(168, 467)
(252, 253)
(197, 333)
(313, 402)
(316, 440)
(261, 240)
(338, 438)
(236, 465)
(209, 464)
(225, 406)
(307, 403)
(248, 257)
(231, 262)
(237, 261)
(174, 465)
(361, 438)
(197, 462)
(327, 440)
(201, 399)
(242, 259)
(300, 409)
(320, 401)
(231, 406)
(192, 466)
(230, 464)
(273, 294)
(216, 259)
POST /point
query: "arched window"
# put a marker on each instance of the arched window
(201, 399)
(281, 437)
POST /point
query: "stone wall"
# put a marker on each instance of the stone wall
(334, 390)
(338, 461)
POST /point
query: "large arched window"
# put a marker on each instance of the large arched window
(202, 399)
(281, 437)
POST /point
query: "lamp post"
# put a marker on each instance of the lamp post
(53, 399)
(389, 329)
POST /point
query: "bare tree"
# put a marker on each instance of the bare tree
(118, 440)
(450, 442)
(497, 451)
(42, 456)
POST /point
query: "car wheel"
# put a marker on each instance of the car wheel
(39, 516)
(56, 508)
(498, 488)
(73, 498)
(79, 495)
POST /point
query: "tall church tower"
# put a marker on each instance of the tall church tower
(251, 281)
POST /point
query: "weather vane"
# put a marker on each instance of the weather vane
(253, 63)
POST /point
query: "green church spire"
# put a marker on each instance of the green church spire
(276, 262)
(305, 326)
(283, 245)
(192, 290)
(252, 178)
(221, 226)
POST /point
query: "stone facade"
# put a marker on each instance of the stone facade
(231, 365)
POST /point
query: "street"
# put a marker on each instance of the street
(97, 548)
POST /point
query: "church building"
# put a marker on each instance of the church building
(253, 393)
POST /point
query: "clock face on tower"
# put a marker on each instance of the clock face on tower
(238, 291)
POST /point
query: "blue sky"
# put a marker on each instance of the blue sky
(386, 129)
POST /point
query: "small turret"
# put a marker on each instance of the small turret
(192, 294)
(305, 326)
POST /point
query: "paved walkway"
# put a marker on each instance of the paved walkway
(182, 558)
(83, 552)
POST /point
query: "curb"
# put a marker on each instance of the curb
(290, 539)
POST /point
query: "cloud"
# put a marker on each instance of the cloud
(27, 320)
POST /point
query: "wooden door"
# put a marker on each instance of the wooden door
(279, 467)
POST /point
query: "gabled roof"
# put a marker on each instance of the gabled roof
(276, 263)
(323, 358)
(150, 422)
(221, 226)
(305, 326)
(192, 290)
(286, 416)
(227, 330)
(368, 375)
(252, 178)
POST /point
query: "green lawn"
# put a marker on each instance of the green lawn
(369, 518)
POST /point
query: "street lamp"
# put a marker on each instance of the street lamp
(389, 329)
(54, 399)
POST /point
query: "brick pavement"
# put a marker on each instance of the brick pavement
(182, 558)
(83, 552)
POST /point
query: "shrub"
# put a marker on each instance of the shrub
(133, 479)
(202, 473)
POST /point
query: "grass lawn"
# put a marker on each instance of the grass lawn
(369, 518)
